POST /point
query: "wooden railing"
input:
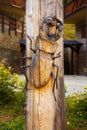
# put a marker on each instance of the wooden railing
(11, 24)
(73, 6)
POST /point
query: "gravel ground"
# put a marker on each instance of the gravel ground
(75, 84)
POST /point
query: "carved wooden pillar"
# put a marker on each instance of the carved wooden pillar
(45, 105)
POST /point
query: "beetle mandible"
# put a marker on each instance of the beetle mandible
(43, 59)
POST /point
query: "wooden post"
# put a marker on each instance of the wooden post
(71, 60)
(2, 24)
(45, 107)
(78, 49)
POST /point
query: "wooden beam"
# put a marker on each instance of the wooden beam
(45, 106)
(71, 61)
(78, 49)
(15, 27)
(22, 34)
(2, 24)
(9, 30)
(12, 10)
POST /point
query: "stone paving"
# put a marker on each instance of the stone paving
(75, 83)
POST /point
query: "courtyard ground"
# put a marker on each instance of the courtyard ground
(74, 83)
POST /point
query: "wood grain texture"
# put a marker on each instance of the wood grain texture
(42, 111)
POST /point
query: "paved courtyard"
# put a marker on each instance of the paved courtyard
(75, 83)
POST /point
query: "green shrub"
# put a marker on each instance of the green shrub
(17, 124)
(76, 110)
(19, 104)
(8, 83)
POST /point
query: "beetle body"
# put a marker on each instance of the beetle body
(41, 63)
(40, 70)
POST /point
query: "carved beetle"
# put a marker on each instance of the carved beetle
(42, 61)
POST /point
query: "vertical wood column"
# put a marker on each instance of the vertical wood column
(42, 111)
(71, 61)
(2, 24)
(78, 65)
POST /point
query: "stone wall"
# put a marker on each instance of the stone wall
(10, 50)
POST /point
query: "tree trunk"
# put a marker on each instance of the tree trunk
(45, 108)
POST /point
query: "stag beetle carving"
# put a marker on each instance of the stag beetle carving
(42, 63)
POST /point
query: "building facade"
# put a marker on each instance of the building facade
(12, 29)
(75, 12)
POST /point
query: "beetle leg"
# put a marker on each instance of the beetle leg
(55, 80)
(26, 57)
(57, 56)
(31, 44)
(25, 66)
(56, 74)
(54, 86)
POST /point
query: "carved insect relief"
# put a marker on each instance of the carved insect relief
(42, 63)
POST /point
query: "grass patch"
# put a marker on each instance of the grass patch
(16, 124)
(76, 111)
(12, 116)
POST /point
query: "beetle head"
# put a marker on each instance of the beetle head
(51, 29)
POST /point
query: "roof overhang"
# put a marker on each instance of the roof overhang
(72, 43)
(11, 10)
(78, 16)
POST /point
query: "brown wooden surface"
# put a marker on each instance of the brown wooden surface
(20, 3)
(73, 6)
(42, 111)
